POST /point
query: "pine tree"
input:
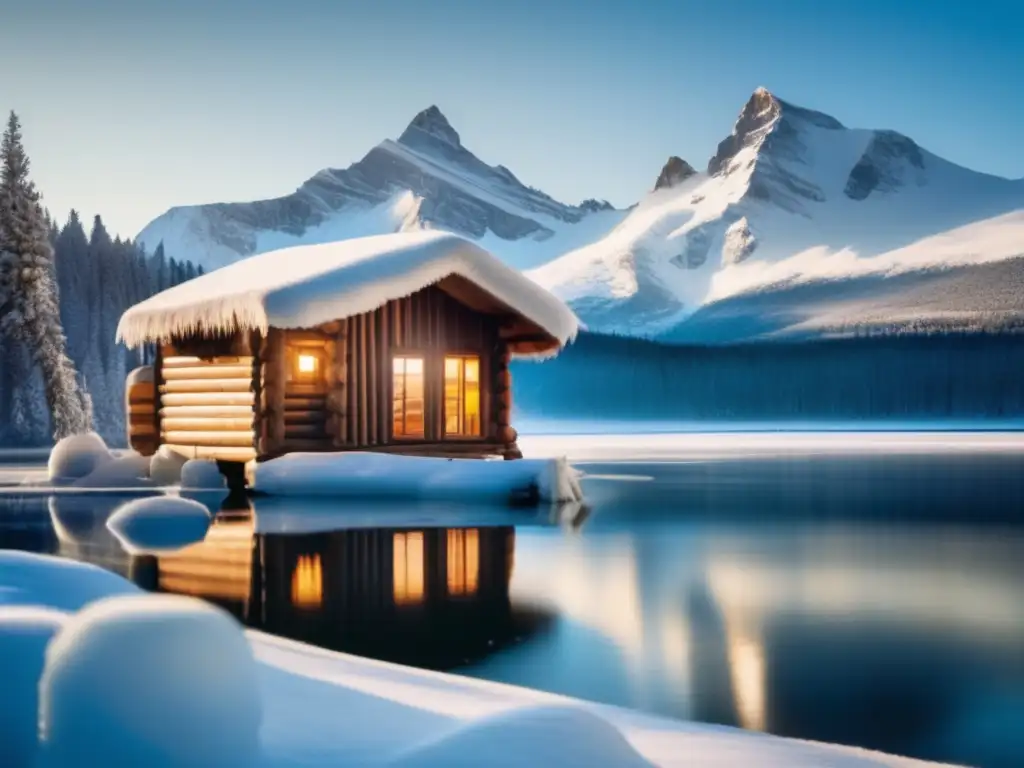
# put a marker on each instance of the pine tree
(29, 310)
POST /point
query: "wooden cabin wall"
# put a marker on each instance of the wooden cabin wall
(428, 322)
(140, 411)
(305, 412)
(206, 397)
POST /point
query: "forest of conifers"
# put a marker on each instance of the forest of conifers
(911, 377)
(98, 278)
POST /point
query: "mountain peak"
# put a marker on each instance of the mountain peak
(432, 122)
(759, 118)
(675, 171)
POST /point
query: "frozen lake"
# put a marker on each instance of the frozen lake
(860, 588)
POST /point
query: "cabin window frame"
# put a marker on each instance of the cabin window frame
(483, 386)
(424, 357)
(316, 378)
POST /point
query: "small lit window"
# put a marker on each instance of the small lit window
(462, 396)
(307, 364)
(408, 397)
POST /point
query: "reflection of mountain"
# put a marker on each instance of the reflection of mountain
(432, 597)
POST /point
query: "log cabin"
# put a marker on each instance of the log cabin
(396, 343)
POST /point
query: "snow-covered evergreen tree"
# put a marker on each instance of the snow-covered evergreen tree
(29, 311)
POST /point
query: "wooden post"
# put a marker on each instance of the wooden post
(361, 364)
(372, 374)
(274, 370)
(341, 369)
(503, 403)
(258, 344)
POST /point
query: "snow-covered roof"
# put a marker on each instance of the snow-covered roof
(305, 286)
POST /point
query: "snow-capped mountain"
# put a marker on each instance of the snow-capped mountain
(426, 178)
(790, 194)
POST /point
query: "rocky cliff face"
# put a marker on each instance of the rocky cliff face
(675, 172)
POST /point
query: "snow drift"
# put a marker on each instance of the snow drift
(531, 736)
(182, 674)
(385, 476)
(163, 681)
(24, 634)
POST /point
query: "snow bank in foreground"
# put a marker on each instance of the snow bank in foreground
(159, 523)
(327, 710)
(154, 680)
(24, 633)
(387, 476)
(27, 578)
(544, 735)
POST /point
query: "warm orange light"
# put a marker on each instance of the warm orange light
(307, 363)
(463, 561)
(462, 396)
(407, 416)
(407, 571)
(307, 582)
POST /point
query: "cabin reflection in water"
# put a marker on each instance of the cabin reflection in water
(433, 597)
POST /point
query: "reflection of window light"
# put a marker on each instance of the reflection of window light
(463, 561)
(307, 363)
(408, 568)
(307, 582)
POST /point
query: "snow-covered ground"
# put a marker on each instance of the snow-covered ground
(313, 707)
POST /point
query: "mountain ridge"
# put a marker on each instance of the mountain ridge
(790, 191)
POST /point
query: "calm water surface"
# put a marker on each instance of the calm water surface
(868, 600)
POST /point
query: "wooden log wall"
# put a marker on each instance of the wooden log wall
(430, 323)
(140, 410)
(502, 410)
(206, 404)
(305, 413)
(273, 362)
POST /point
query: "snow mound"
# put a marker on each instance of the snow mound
(202, 475)
(540, 735)
(130, 470)
(77, 456)
(388, 476)
(159, 523)
(85, 461)
(28, 578)
(165, 466)
(154, 680)
(24, 633)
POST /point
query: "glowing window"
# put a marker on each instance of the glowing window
(408, 397)
(463, 561)
(408, 568)
(307, 582)
(307, 363)
(462, 396)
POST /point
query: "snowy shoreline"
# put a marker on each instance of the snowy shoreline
(322, 708)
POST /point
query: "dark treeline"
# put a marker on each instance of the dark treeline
(98, 277)
(953, 376)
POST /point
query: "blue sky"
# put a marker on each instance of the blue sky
(132, 107)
